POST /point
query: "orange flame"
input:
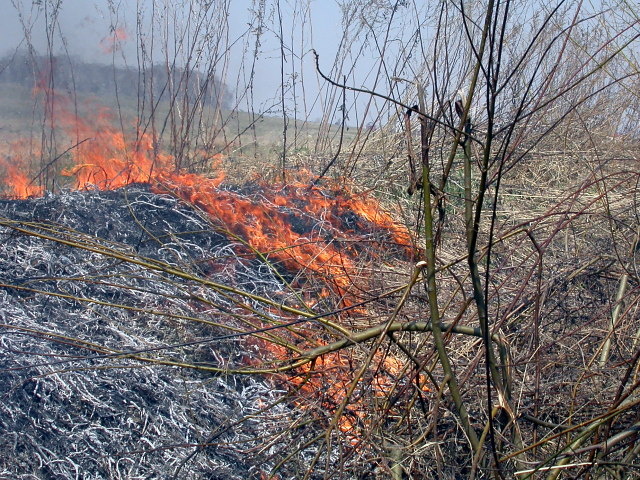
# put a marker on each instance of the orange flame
(14, 170)
(305, 227)
(268, 222)
(20, 185)
(326, 382)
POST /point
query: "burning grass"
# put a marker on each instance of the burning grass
(272, 273)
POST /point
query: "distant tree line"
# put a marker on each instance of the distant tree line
(72, 75)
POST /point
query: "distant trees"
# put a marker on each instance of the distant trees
(72, 74)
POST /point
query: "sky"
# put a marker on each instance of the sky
(86, 30)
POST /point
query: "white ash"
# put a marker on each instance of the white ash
(68, 412)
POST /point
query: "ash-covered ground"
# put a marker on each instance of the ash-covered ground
(72, 408)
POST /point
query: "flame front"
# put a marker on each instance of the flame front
(18, 182)
(308, 229)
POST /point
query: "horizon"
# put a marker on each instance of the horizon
(120, 33)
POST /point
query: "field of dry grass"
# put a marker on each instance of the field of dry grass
(563, 239)
(449, 291)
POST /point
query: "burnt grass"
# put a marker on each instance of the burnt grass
(72, 409)
(96, 334)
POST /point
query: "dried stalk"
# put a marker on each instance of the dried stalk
(432, 287)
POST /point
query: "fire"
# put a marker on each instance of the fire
(20, 185)
(300, 226)
(305, 228)
(324, 383)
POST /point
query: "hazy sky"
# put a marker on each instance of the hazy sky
(85, 28)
